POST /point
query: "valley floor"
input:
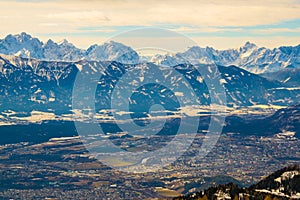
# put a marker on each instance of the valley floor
(62, 168)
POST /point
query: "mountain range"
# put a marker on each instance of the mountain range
(49, 84)
(26, 46)
(46, 82)
(250, 57)
(39, 77)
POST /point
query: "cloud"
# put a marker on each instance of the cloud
(48, 24)
(208, 29)
(276, 31)
(134, 12)
(79, 15)
(189, 17)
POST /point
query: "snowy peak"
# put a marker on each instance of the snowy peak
(17, 38)
(63, 42)
(246, 50)
(26, 46)
(21, 45)
(112, 51)
(50, 42)
(62, 51)
(113, 44)
(23, 37)
(248, 45)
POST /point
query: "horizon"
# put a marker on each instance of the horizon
(218, 24)
(127, 43)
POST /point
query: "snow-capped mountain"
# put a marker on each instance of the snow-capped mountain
(63, 51)
(250, 57)
(22, 45)
(112, 51)
(25, 46)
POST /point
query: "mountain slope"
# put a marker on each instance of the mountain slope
(285, 181)
(282, 184)
(289, 77)
(284, 123)
(44, 83)
(29, 85)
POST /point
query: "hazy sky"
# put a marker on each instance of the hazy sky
(218, 23)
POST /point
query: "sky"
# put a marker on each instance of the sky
(216, 23)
